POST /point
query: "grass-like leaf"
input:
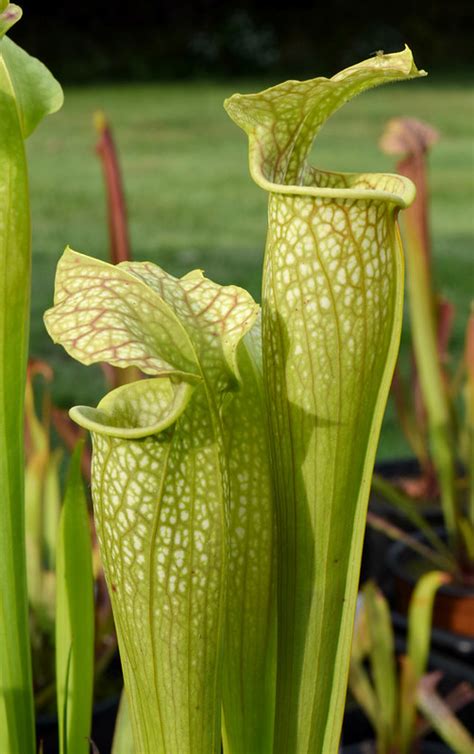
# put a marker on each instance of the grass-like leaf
(28, 92)
(332, 309)
(74, 616)
(382, 656)
(418, 646)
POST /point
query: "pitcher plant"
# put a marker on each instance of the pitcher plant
(205, 570)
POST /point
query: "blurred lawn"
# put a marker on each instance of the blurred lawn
(192, 203)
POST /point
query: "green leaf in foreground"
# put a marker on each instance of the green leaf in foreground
(332, 309)
(160, 480)
(74, 617)
(28, 92)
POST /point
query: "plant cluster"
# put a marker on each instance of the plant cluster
(229, 492)
(231, 462)
(391, 699)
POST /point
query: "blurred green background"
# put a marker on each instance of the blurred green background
(192, 203)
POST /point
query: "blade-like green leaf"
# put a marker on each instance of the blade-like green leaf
(359, 681)
(160, 481)
(34, 491)
(432, 381)
(418, 646)
(382, 662)
(74, 616)
(250, 647)
(332, 310)
(27, 93)
(52, 507)
(419, 618)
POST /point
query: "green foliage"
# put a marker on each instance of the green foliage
(28, 92)
(429, 416)
(389, 698)
(74, 616)
(182, 475)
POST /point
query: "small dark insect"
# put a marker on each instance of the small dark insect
(114, 588)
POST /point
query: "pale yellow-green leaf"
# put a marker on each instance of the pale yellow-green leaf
(159, 512)
(103, 313)
(160, 481)
(382, 663)
(215, 316)
(418, 646)
(332, 308)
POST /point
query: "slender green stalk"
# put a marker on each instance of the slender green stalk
(332, 309)
(419, 636)
(27, 93)
(431, 379)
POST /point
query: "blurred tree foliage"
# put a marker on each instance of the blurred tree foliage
(164, 40)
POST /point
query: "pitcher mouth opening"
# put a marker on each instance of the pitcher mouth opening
(387, 187)
(136, 410)
(282, 122)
